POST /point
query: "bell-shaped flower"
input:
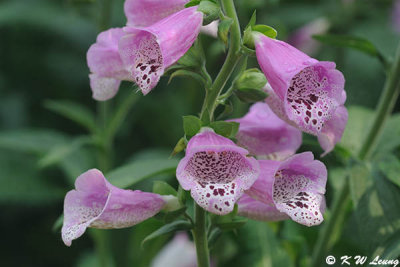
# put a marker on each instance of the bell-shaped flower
(97, 203)
(302, 37)
(294, 187)
(147, 52)
(179, 252)
(305, 92)
(105, 64)
(265, 135)
(142, 13)
(216, 171)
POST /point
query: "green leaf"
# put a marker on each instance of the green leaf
(358, 123)
(228, 109)
(251, 78)
(58, 153)
(191, 125)
(192, 3)
(213, 237)
(252, 20)
(193, 58)
(210, 10)
(357, 43)
(140, 170)
(234, 224)
(189, 73)
(163, 188)
(58, 224)
(250, 95)
(266, 30)
(390, 138)
(223, 29)
(31, 140)
(73, 111)
(390, 166)
(225, 128)
(168, 228)
(179, 147)
(173, 215)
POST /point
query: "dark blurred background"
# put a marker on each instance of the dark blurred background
(43, 46)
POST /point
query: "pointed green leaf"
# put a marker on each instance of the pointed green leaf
(191, 125)
(250, 95)
(266, 30)
(168, 228)
(163, 188)
(224, 128)
(223, 29)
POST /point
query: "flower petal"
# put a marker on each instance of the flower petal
(142, 13)
(147, 52)
(257, 210)
(97, 203)
(299, 187)
(333, 130)
(103, 88)
(264, 134)
(216, 171)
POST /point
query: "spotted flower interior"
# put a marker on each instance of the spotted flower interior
(309, 99)
(218, 177)
(296, 195)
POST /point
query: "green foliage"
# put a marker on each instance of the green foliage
(168, 228)
(211, 11)
(223, 29)
(162, 188)
(225, 128)
(191, 125)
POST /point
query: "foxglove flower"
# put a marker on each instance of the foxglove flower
(302, 37)
(294, 187)
(265, 135)
(105, 64)
(147, 52)
(142, 13)
(179, 252)
(305, 92)
(97, 203)
(216, 171)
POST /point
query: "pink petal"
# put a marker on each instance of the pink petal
(96, 203)
(264, 134)
(103, 88)
(216, 171)
(142, 13)
(333, 130)
(257, 210)
(299, 187)
(147, 52)
(106, 65)
(179, 252)
(310, 90)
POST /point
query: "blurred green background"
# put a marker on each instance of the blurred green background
(43, 46)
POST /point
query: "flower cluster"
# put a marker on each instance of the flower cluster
(157, 34)
(260, 171)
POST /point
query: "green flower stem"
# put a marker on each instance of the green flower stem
(384, 109)
(210, 102)
(207, 114)
(200, 237)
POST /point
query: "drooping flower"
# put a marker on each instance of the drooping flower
(302, 37)
(216, 171)
(105, 64)
(294, 187)
(97, 203)
(179, 252)
(142, 13)
(265, 135)
(305, 92)
(147, 52)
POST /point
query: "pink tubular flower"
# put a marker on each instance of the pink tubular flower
(142, 13)
(147, 52)
(302, 37)
(265, 135)
(216, 171)
(305, 92)
(105, 64)
(97, 203)
(294, 188)
(179, 252)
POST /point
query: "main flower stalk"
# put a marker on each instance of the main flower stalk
(207, 114)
